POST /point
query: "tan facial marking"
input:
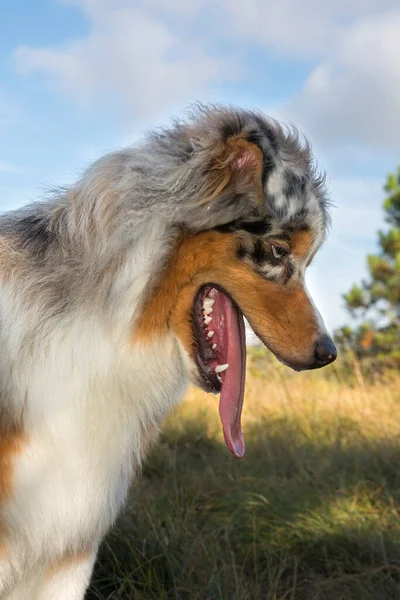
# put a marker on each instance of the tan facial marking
(301, 244)
(281, 314)
(192, 262)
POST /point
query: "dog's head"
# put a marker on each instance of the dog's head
(254, 216)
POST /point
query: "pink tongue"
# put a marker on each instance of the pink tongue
(233, 379)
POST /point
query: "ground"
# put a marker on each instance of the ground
(310, 513)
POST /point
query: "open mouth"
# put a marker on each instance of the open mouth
(221, 358)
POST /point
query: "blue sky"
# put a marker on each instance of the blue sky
(83, 77)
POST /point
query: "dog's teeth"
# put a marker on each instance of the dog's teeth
(221, 368)
(219, 378)
(208, 310)
(208, 301)
(210, 334)
(207, 320)
(214, 346)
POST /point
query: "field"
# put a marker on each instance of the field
(311, 512)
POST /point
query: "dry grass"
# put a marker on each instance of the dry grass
(311, 512)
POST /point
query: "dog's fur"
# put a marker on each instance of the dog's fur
(97, 289)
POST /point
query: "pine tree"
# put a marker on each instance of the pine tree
(377, 300)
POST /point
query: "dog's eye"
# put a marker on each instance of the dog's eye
(279, 252)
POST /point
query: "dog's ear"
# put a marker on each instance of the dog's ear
(236, 171)
(227, 185)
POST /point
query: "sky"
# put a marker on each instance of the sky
(79, 78)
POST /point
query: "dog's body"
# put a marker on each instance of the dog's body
(96, 313)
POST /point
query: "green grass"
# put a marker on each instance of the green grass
(311, 512)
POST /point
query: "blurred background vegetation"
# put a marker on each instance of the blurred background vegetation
(374, 304)
(312, 512)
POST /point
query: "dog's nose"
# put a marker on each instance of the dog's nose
(325, 351)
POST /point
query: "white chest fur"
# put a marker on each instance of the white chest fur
(90, 402)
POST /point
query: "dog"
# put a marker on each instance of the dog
(119, 291)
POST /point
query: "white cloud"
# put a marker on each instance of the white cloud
(353, 97)
(130, 54)
(154, 56)
(180, 8)
(298, 29)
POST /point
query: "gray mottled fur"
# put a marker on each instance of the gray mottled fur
(67, 250)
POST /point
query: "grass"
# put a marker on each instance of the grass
(311, 512)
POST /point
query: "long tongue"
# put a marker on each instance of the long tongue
(233, 380)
